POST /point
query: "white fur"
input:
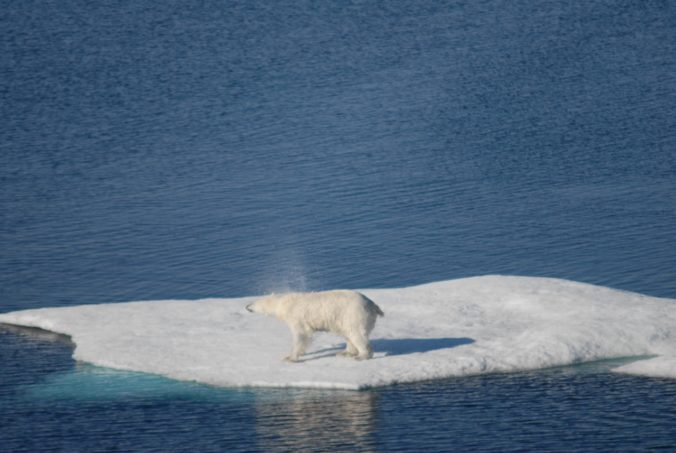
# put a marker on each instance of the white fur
(343, 312)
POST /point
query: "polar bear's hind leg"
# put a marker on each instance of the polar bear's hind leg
(361, 342)
(350, 350)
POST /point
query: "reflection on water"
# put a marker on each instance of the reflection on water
(342, 421)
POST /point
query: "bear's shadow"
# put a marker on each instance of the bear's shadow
(398, 346)
(401, 346)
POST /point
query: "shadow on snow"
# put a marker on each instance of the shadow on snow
(397, 346)
(401, 346)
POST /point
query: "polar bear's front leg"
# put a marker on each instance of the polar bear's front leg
(300, 342)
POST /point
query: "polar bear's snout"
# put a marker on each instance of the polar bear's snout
(343, 312)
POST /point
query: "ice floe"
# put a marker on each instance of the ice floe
(451, 328)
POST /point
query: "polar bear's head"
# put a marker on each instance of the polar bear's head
(268, 305)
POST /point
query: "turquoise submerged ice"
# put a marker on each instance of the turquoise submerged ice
(450, 328)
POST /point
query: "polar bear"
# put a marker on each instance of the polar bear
(346, 313)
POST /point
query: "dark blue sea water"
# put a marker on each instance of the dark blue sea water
(171, 149)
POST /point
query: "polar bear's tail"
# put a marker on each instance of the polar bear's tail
(373, 307)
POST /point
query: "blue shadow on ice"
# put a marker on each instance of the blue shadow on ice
(398, 346)
(401, 346)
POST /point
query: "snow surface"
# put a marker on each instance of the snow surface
(451, 328)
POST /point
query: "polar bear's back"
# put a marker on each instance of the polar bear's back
(333, 310)
(339, 299)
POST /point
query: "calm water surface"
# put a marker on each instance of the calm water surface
(223, 148)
